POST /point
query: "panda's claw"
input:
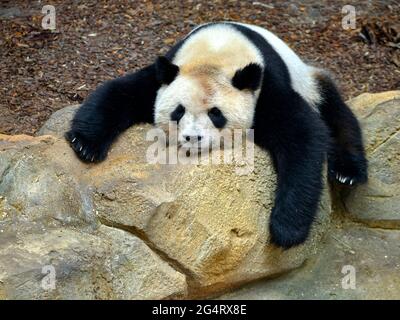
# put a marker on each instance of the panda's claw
(76, 146)
(345, 179)
(85, 149)
(347, 168)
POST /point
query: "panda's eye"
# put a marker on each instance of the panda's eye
(178, 113)
(215, 112)
(217, 117)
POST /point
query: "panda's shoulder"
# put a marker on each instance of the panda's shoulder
(303, 76)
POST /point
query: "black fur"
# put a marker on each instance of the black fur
(178, 113)
(248, 78)
(217, 117)
(297, 139)
(346, 160)
(296, 136)
(165, 70)
(111, 109)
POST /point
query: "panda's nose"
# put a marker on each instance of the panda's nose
(193, 138)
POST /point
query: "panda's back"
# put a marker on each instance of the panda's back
(223, 44)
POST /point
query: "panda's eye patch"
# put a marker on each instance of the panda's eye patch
(178, 113)
(217, 117)
(215, 112)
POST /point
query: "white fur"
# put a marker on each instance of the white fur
(301, 74)
(237, 106)
(220, 45)
(208, 60)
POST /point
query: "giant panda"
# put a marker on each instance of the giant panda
(234, 75)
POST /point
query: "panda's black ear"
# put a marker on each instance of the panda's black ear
(166, 71)
(248, 78)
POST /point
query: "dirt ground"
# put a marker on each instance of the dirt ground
(43, 71)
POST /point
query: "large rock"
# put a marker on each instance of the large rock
(107, 264)
(136, 230)
(355, 263)
(59, 122)
(48, 220)
(378, 202)
(129, 229)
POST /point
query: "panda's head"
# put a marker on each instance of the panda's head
(202, 100)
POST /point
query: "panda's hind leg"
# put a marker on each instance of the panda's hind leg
(347, 163)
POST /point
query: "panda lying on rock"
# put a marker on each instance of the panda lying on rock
(233, 75)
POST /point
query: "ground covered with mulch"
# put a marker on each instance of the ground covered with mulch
(43, 71)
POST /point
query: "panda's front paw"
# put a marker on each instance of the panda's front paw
(348, 169)
(287, 234)
(86, 150)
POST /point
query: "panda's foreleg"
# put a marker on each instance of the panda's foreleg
(297, 140)
(111, 109)
(347, 163)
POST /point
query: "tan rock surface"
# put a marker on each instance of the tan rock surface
(378, 202)
(207, 222)
(371, 255)
(129, 229)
